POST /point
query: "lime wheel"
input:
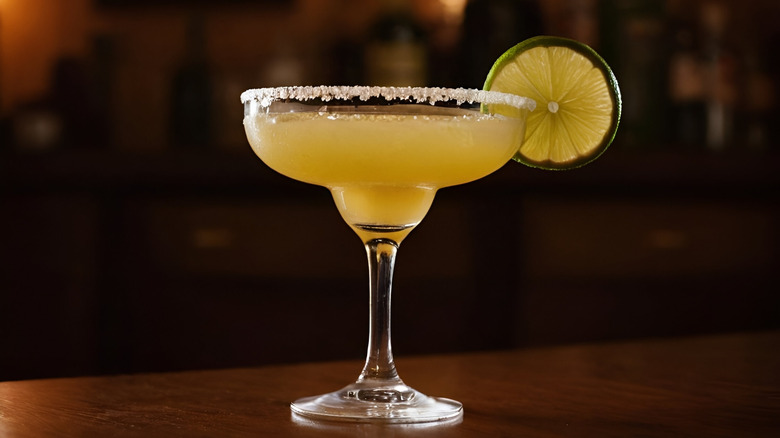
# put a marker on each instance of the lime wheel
(578, 101)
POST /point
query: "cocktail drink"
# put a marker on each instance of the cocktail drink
(383, 152)
(382, 159)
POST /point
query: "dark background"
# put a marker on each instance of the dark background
(130, 244)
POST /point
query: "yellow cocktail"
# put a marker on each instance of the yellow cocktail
(384, 167)
(383, 153)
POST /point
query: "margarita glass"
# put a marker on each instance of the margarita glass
(383, 152)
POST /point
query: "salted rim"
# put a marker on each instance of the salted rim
(431, 95)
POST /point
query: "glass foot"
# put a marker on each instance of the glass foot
(362, 401)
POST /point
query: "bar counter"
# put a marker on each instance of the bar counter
(706, 386)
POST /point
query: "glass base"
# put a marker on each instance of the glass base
(363, 401)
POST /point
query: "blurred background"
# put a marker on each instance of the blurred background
(140, 233)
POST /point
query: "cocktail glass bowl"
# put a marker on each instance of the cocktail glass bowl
(383, 152)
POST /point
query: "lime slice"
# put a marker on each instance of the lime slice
(577, 98)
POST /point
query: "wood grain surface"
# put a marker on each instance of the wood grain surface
(714, 386)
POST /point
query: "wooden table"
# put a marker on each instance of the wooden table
(725, 385)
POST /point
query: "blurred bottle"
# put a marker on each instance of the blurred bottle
(720, 75)
(285, 67)
(70, 115)
(76, 101)
(687, 91)
(396, 53)
(103, 61)
(633, 42)
(772, 66)
(491, 27)
(581, 21)
(761, 114)
(346, 62)
(759, 100)
(191, 92)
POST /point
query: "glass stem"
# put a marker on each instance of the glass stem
(379, 359)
